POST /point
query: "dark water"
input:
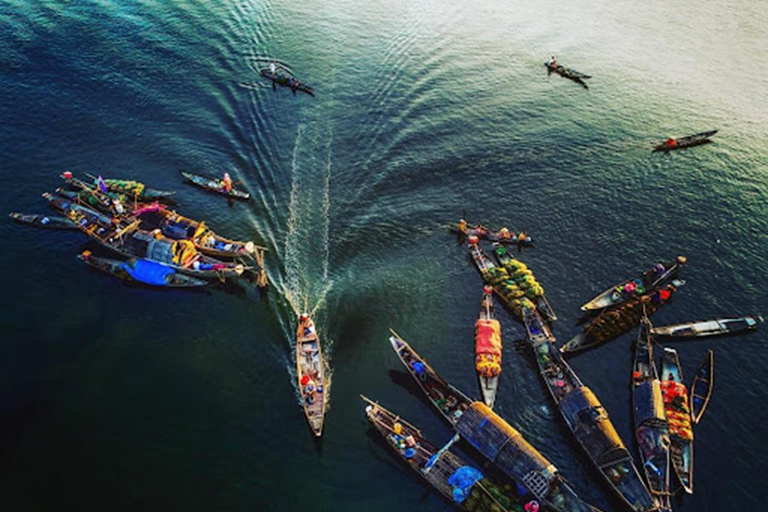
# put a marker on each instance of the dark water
(114, 397)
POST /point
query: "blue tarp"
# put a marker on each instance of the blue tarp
(148, 272)
(462, 481)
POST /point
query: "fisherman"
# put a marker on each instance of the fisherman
(226, 182)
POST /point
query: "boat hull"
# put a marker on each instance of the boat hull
(310, 375)
(213, 186)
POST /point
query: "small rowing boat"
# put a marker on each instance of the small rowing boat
(522, 278)
(502, 236)
(310, 373)
(214, 185)
(587, 419)
(43, 221)
(718, 327)
(453, 476)
(63, 205)
(142, 271)
(697, 139)
(281, 76)
(651, 426)
(571, 74)
(614, 322)
(488, 348)
(660, 274)
(678, 416)
(448, 400)
(130, 188)
(701, 387)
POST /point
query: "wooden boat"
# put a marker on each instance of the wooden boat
(718, 327)
(64, 206)
(523, 278)
(281, 76)
(142, 271)
(448, 400)
(651, 426)
(502, 236)
(310, 374)
(129, 241)
(701, 387)
(178, 227)
(43, 221)
(132, 189)
(587, 419)
(679, 418)
(697, 139)
(611, 323)
(214, 185)
(505, 447)
(570, 74)
(95, 200)
(660, 274)
(454, 477)
(498, 277)
(488, 348)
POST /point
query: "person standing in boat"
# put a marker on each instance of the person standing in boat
(226, 183)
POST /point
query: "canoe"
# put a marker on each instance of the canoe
(660, 274)
(448, 400)
(701, 387)
(178, 227)
(571, 74)
(498, 277)
(651, 426)
(614, 322)
(310, 374)
(488, 349)
(679, 418)
(133, 189)
(502, 236)
(453, 476)
(523, 278)
(505, 447)
(91, 199)
(142, 271)
(587, 419)
(127, 240)
(64, 205)
(282, 77)
(718, 327)
(685, 142)
(214, 185)
(43, 221)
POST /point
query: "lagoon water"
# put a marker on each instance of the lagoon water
(115, 397)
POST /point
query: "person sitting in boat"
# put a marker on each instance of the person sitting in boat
(272, 68)
(504, 234)
(462, 226)
(671, 142)
(522, 237)
(552, 62)
(226, 182)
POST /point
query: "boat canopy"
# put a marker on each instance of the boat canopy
(500, 443)
(589, 421)
(649, 403)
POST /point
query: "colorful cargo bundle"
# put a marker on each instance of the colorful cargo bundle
(522, 277)
(488, 348)
(676, 407)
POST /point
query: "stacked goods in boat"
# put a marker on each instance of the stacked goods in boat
(488, 348)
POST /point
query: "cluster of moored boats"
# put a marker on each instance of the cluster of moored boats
(665, 409)
(158, 246)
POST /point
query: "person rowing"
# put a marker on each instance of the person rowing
(552, 62)
(671, 142)
(226, 182)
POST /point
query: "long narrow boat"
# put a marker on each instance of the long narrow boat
(697, 139)
(43, 221)
(701, 387)
(520, 461)
(645, 283)
(448, 400)
(523, 278)
(132, 189)
(614, 322)
(718, 327)
(310, 373)
(587, 419)
(454, 477)
(63, 205)
(93, 199)
(498, 277)
(501, 444)
(142, 271)
(214, 185)
(129, 241)
(488, 348)
(651, 426)
(281, 76)
(502, 236)
(679, 417)
(571, 74)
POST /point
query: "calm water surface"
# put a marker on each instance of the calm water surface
(114, 397)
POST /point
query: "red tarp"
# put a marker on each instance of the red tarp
(488, 337)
